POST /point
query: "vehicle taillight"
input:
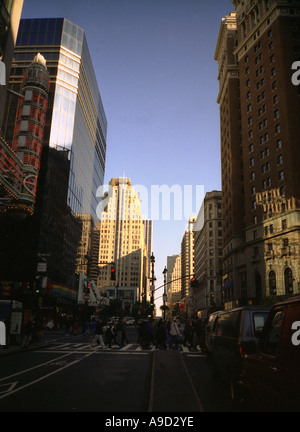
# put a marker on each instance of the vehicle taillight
(241, 352)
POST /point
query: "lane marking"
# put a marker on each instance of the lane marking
(34, 367)
(46, 376)
(201, 409)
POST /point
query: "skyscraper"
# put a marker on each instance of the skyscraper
(122, 244)
(76, 121)
(174, 281)
(208, 254)
(74, 147)
(187, 263)
(256, 48)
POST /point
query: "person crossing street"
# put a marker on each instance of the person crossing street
(98, 337)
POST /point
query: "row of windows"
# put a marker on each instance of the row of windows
(288, 281)
(267, 182)
(265, 167)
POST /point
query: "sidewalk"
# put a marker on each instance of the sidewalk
(44, 341)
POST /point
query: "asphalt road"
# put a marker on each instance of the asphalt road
(66, 375)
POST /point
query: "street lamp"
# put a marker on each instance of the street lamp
(165, 294)
(153, 279)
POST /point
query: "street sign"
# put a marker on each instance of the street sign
(152, 287)
(86, 297)
(42, 267)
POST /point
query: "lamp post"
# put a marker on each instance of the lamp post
(153, 279)
(165, 294)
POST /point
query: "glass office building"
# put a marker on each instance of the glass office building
(73, 156)
(76, 121)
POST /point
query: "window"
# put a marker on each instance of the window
(259, 320)
(283, 223)
(270, 344)
(272, 283)
(228, 324)
(288, 281)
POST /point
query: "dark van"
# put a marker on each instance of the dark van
(234, 332)
(271, 376)
(209, 332)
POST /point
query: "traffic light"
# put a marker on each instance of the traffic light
(87, 287)
(112, 273)
(37, 285)
(194, 283)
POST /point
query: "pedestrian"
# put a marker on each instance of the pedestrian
(113, 334)
(76, 327)
(69, 326)
(187, 334)
(27, 333)
(161, 335)
(98, 337)
(174, 335)
(123, 331)
(108, 335)
(86, 328)
(147, 336)
(93, 327)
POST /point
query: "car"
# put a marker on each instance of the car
(209, 331)
(233, 332)
(130, 321)
(271, 373)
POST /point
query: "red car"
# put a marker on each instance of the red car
(271, 376)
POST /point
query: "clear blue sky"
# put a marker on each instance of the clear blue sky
(155, 67)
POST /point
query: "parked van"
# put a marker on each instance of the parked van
(209, 331)
(271, 376)
(234, 332)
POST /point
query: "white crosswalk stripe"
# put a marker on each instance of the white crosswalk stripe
(86, 346)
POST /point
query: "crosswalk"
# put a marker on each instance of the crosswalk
(128, 348)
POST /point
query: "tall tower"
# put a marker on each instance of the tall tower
(122, 244)
(231, 150)
(267, 262)
(74, 150)
(208, 254)
(174, 280)
(76, 123)
(187, 263)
